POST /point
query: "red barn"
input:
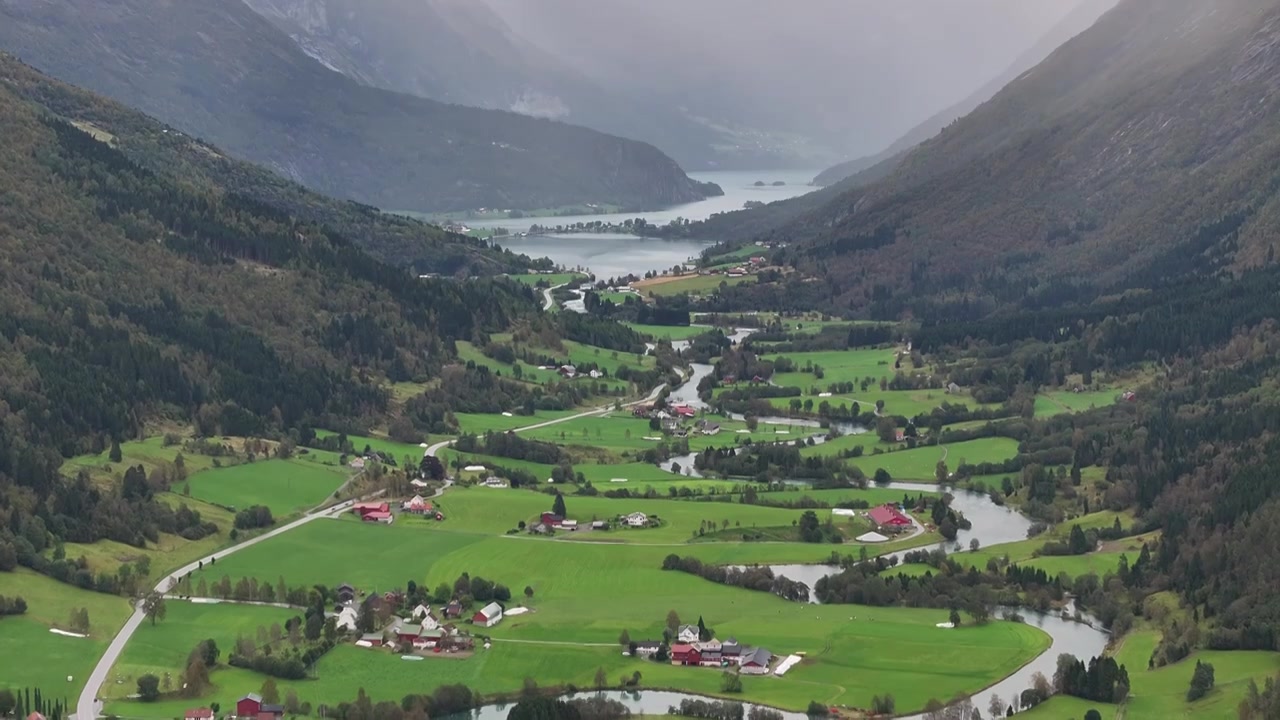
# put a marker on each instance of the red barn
(249, 706)
(552, 519)
(382, 516)
(888, 516)
(682, 654)
(364, 508)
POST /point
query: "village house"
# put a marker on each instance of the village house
(551, 519)
(647, 648)
(453, 609)
(636, 520)
(346, 619)
(899, 435)
(688, 634)
(495, 482)
(429, 639)
(731, 651)
(199, 714)
(420, 610)
(417, 505)
(407, 632)
(708, 428)
(685, 654)
(889, 517)
(371, 640)
(489, 616)
(570, 525)
(567, 371)
(756, 662)
(346, 594)
(685, 411)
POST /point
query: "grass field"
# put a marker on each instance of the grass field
(669, 332)
(164, 647)
(589, 592)
(1056, 402)
(397, 450)
(551, 279)
(837, 366)
(908, 403)
(480, 423)
(693, 284)
(921, 463)
(31, 656)
(285, 486)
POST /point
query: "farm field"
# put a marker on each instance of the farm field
(837, 366)
(397, 450)
(31, 656)
(164, 647)
(669, 332)
(285, 486)
(620, 431)
(908, 403)
(551, 279)
(920, 463)
(694, 284)
(480, 423)
(589, 592)
(1056, 402)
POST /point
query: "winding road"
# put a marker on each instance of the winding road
(88, 706)
(547, 301)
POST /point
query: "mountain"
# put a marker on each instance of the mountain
(465, 53)
(221, 72)
(1123, 160)
(134, 295)
(1075, 22)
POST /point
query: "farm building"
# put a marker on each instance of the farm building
(488, 616)
(371, 640)
(730, 650)
(756, 663)
(271, 712)
(249, 706)
(364, 508)
(688, 634)
(346, 619)
(421, 610)
(685, 654)
(551, 519)
(417, 506)
(345, 593)
(647, 648)
(453, 609)
(380, 516)
(636, 519)
(569, 524)
(199, 714)
(889, 517)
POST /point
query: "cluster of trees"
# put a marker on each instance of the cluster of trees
(475, 388)
(721, 710)
(534, 707)
(253, 517)
(278, 652)
(24, 702)
(511, 445)
(765, 462)
(759, 578)
(1202, 681)
(12, 605)
(1103, 680)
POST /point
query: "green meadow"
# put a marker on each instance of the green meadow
(921, 463)
(837, 366)
(1056, 402)
(669, 332)
(550, 279)
(588, 592)
(693, 284)
(31, 656)
(285, 486)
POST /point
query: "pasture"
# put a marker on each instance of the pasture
(920, 463)
(837, 366)
(588, 592)
(31, 656)
(692, 284)
(669, 332)
(285, 486)
(1056, 402)
(548, 279)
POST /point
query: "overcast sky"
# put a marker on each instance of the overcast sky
(865, 69)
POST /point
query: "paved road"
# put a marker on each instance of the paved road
(88, 705)
(547, 301)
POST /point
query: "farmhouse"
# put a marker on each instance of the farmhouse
(731, 651)
(371, 640)
(647, 648)
(685, 411)
(551, 519)
(346, 593)
(569, 525)
(346, 619)
(489, 616)
(567, 371)
(637, 520)
(381, 516)
(363, 509)
(199, 714)
(407, 632)
(688, 634)
(417, 506)
(889, 517)
(453, 609)
(756, 662)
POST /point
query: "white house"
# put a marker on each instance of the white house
(346, 619)
(636, 519)
(688, 634)
(430, 623)
(489, 616)
(422, 610)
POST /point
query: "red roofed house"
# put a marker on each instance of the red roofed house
(682, 654)
(552, 519)
(489, 616)
(418, 506)
(381, 516)
(199, 714)
(889, 517)
(365, 508)
(684, 411)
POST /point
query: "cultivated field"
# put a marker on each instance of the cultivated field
(285, 486)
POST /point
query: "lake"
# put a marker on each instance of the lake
(739, 187)
(610, 255)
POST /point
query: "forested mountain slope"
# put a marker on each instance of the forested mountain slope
(159, 148)
(1143, 149)
(1080, 17)
(221, 72)
(131, 296)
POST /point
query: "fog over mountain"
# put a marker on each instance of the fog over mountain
(714, 83)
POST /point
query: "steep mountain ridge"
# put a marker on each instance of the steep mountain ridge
(464, 52)
(217, 70)
(1144, 148)
(1079, 19)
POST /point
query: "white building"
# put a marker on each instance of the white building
(636, 519)
(489, 616)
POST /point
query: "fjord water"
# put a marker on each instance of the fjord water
(610, 255)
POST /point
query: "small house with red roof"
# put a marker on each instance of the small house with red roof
(889, 517)
(199, 714)
(685, 654)
(364, 508)
(382, 516)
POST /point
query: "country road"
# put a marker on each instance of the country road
(88, 706)
(547, 301)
